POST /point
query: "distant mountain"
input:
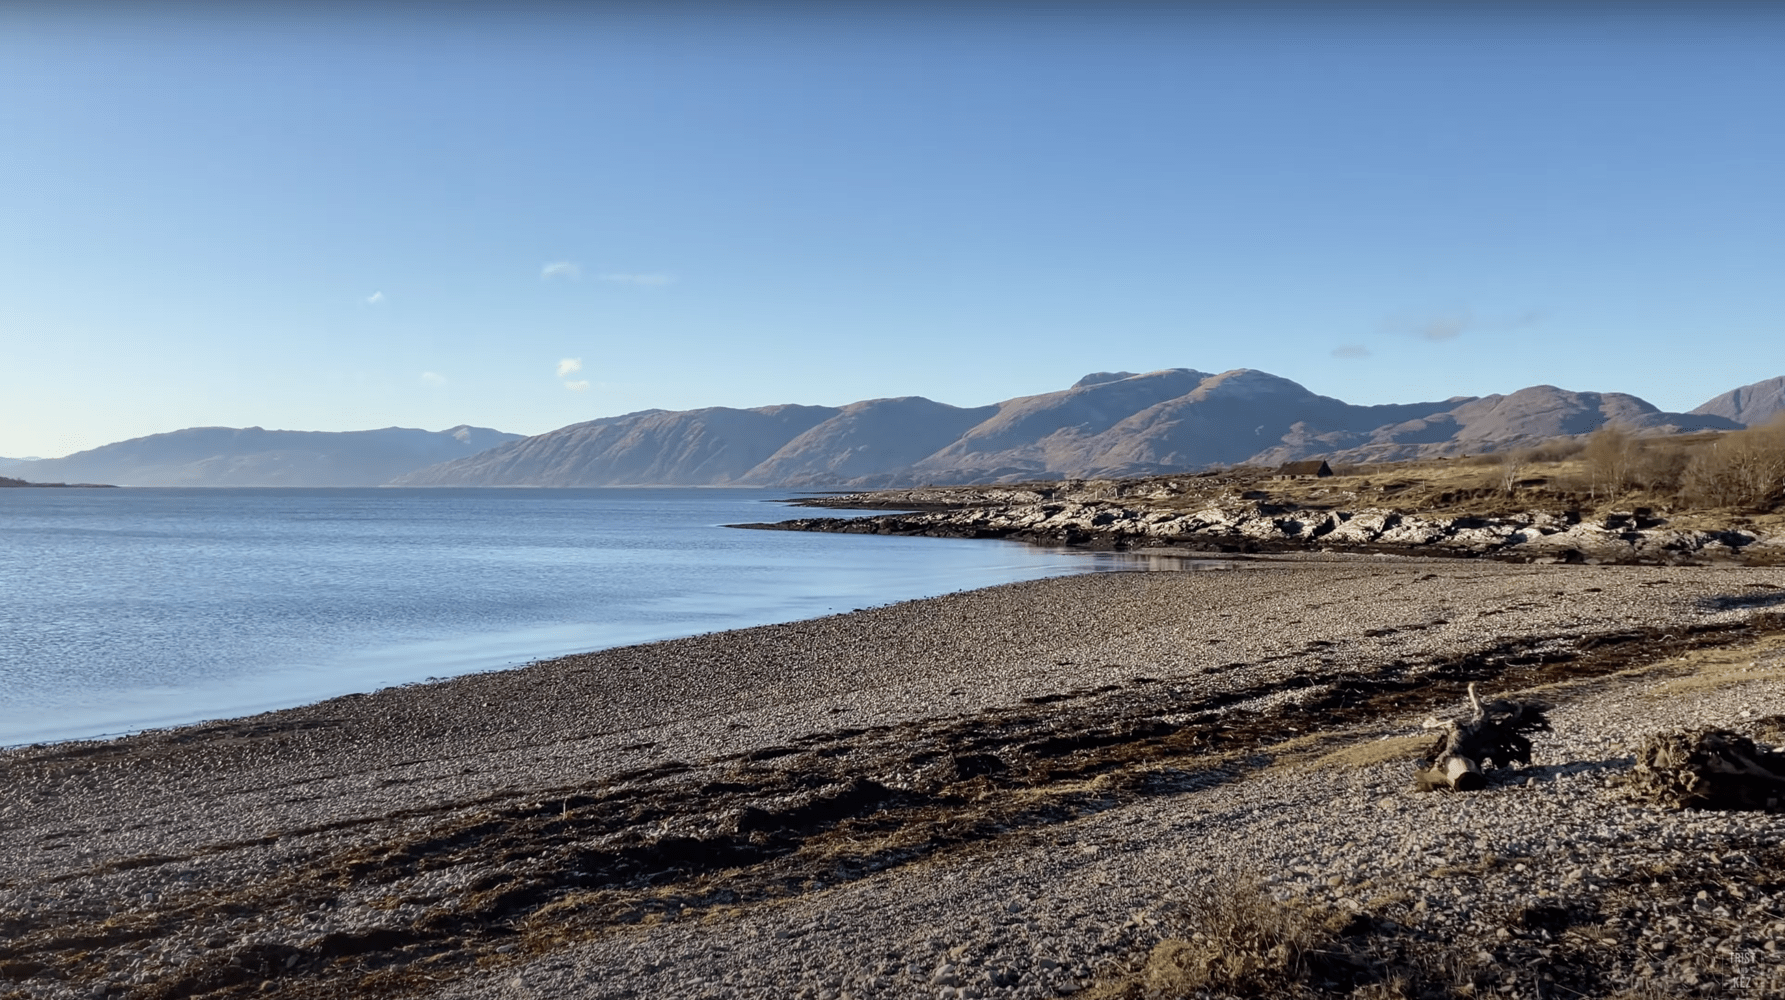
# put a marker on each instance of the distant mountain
(1491, 423)
(1106, 424)
(250, 456)
(650, 447)
(6, 483)
(9, 462)
(1751, 404)
(1159, 421)
(1224, 419)
(867, 440)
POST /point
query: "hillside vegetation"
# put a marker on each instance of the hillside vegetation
(1696, 480)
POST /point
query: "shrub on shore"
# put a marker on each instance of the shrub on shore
(1238, 936)
(1237, 940)
(1739, 469)
(1742, 469)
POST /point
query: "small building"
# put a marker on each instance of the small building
(1311, 469)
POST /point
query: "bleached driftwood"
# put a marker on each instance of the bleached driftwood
(1495, 733)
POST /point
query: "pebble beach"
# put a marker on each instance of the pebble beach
(1013, 792)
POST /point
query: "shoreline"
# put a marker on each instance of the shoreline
(1174, 555)
(1117, 516)
(102, 650)
(596, 825)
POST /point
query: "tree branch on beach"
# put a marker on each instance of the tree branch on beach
(1495, 732)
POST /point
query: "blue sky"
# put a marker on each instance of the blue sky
(425, 216)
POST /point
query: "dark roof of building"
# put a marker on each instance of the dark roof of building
(1311, 467)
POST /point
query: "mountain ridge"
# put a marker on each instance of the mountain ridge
(1106, 424)
(254, 456)
(1749, 404)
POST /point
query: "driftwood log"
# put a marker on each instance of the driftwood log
(1493, 734)
(1708, 769)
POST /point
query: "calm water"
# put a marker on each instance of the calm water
(129, 609)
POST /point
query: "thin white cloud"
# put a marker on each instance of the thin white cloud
(577, 386)
(561, 269)
(375, 298)
(433, 378)
(1443, 328)
(640, 279)
(1351, 351)
(569, 366)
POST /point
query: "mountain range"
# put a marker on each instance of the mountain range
(1106, 424)
(250, 456)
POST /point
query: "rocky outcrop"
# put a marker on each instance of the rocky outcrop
(1250, 526)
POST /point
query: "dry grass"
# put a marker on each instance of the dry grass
(1237, 940)
(1386, 750)
(1720, 668)
(1240, 936)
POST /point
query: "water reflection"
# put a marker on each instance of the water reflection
(155, 607)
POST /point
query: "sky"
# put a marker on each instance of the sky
(338, 217)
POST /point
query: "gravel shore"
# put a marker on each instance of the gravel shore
(998, 793)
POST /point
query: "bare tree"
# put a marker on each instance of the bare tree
(1512, 467)
(1745, 468)
(1610, 453)
(1659, 465)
